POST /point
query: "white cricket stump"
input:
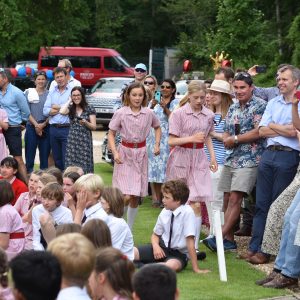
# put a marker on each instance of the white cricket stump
(217, 223)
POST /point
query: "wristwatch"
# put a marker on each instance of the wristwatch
(236, 141)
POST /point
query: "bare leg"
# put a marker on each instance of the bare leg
(232, 214)
(157, 188)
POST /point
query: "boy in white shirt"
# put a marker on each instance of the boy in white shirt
(88, 192)
(50, 210)
(173, 237)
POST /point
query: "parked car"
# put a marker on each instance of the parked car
(105, 97)
(27, 63)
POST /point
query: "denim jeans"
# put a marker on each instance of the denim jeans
(32, 142)
(276, 171)
(288, 258)
(58, 141)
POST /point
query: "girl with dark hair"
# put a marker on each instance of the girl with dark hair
(111, 277)
(157, 164)
(79, 150)
(12, 237)
(9, 172)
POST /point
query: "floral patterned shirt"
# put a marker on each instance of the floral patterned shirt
(240, 120)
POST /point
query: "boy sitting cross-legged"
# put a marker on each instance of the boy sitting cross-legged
(173, 237)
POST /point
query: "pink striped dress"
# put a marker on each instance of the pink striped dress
(191, 165)
(131, 177)
(3, 148)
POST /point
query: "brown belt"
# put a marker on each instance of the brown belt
(134, 145)
(192, 145)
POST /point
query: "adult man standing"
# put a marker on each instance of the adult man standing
(59, 121)
(244, 149)
(67, 65)
(14, 102)
(279, 162)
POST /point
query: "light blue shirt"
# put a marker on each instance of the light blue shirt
(15, 104)
(60, 98)
(280, 112)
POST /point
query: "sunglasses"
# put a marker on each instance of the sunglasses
(140, 70)
(40, 73)
(165, 87)
(149, 82)
(242, 75)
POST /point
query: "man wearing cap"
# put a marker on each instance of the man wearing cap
(279, 162)
(67, 65)
(244, 148)
(13, 101)
(140, 72)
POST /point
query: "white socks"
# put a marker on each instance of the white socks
(131, 214)
(198, 231)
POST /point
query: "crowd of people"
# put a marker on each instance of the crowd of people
(225, 142)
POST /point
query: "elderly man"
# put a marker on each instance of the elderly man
(244, 149)
(13, 101)
(279, 162)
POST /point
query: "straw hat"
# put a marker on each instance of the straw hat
(221, 86)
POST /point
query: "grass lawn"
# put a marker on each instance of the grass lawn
(241, 276)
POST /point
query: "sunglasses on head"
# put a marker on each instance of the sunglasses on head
(140, 70)
(165, 87)
(40, 73)
(242, 75)
(149, 82)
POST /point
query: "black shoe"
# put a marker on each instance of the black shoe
(201, 255)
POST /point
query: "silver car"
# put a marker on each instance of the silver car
(105, 96)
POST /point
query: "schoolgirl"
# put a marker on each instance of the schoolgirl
(134, 121)
(189, 129)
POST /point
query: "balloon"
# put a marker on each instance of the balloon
(28, 70)
(226, 63)
(22, 72)
(13, 72)
(72, 73)
(187, 66)
(32, 71)
(49, 74)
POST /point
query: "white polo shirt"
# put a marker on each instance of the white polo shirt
(95, 212)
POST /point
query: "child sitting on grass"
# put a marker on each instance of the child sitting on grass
(173, 237)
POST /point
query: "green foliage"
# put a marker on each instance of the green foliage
(294, 37)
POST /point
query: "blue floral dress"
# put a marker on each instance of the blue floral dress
(157, 163)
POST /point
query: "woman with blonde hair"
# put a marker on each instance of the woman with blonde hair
(190, 127)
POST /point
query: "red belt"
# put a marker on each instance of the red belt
(193, 145)
(17, 235)
(134, 145)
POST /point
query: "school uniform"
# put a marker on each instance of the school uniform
(131, 177)
(61, 215)
(11, 223)
(189, 161)
(121, 236)
(18, 187)
(173, 234)
(94, 212)
(23, 205)
(73, 292)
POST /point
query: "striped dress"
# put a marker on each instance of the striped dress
(191, 165)
(131, 177)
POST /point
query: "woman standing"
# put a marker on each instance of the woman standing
(79, 150)
(37, 128)
(157, 163)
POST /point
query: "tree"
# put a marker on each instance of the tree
(294, 38)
